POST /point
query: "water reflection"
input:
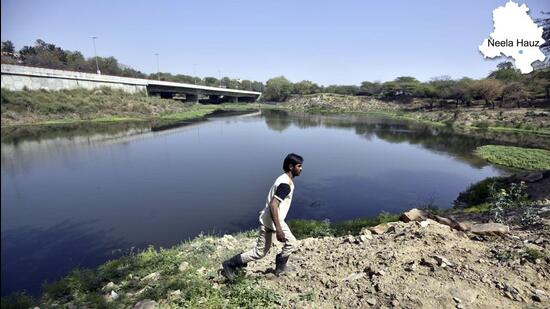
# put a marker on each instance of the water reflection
(31, 256)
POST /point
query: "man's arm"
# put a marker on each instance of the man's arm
(274, 208)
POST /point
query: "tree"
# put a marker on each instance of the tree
(444, 85)
(230, 83)
(305, 87)
(277, 89)
(342, 89)
(506, 73)
(461, 91)
(8, 47)
(211, 81)
(430, 92)
(246, 84)
(402, 88)
(515, 92)
(257, 86)
(489, 90)
(370, 88)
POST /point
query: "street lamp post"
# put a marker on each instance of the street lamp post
(158, 68)
(195, 73)
(95, 56)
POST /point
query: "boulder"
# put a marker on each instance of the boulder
(366, 232)
(109, 287)
(379, 229)
(413, 215)
(151, 277)
(442, 261)
(490, 229)
(451, 222)
(146, 304)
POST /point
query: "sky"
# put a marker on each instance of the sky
(328, 42)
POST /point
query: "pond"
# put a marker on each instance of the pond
(77, 195)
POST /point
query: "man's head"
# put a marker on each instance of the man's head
(293, 164)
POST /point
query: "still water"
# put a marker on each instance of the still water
(74, 197)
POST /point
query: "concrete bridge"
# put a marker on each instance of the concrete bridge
(17, 77)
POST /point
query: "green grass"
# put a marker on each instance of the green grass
(478, 193)
(316, 228)
(477, 209)
(100, 105)
(516, 157)
(82, 287)
(520, 130)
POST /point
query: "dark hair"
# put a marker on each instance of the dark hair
(293, 159)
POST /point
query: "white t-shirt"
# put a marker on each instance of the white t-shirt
(282, 190)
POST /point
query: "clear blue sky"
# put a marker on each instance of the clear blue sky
(328, 42)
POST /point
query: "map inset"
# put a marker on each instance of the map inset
(515, 35)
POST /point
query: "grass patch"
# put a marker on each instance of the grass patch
(197, 283)
(318, 228)
(478, 209)
(479, 192)
(516, 157)
(100, 105)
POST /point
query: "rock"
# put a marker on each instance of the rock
(395, 303)
(183, 266)
(464, 226)
(109, 287)
(449, 222)
(348, 239)
(366, 232)
(142, 291)
(146, 304)
(539, 296)
(410, 266)
(442, 261)
(151, 277)
(427, 263)
(413, 215)
(354, 276)
(490, 229)
(425, 223)
(379, 229)
(360, 239)
(114, 295)
(373, 272)
(457, 300)
(175, 294)
(540, 292)
(329, 284)
(371, 301)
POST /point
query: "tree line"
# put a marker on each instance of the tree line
(505, 86)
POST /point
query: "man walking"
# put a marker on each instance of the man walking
(272, 221)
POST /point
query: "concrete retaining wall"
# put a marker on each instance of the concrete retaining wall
(16, 77)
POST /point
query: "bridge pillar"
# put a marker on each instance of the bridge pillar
(233, 99)
(191, 98)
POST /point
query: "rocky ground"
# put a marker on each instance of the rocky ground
(414, 265)
(338, 103)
